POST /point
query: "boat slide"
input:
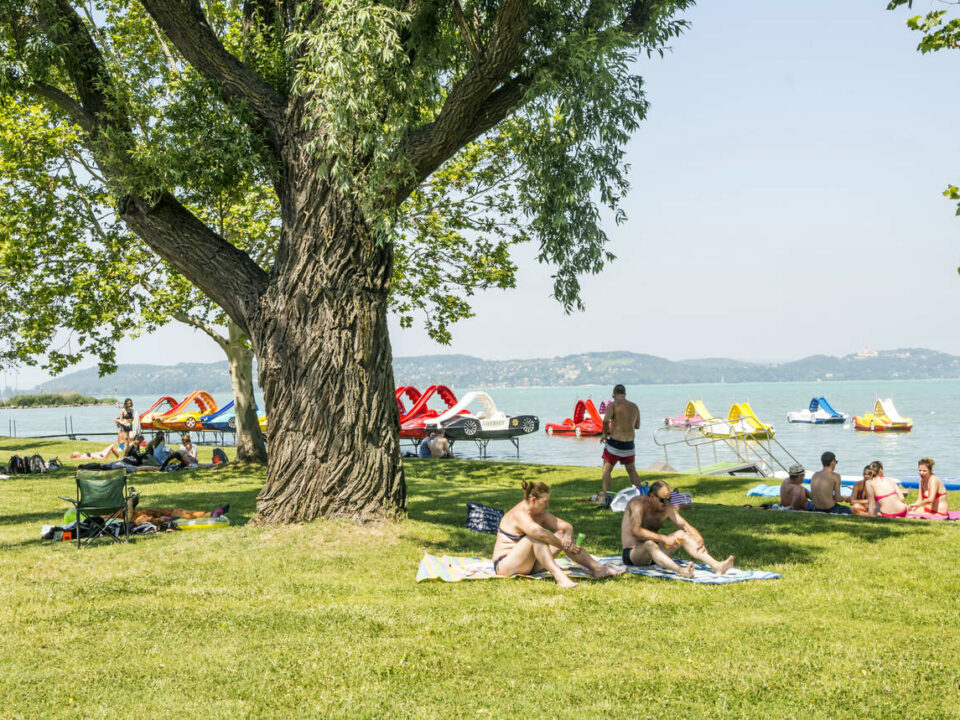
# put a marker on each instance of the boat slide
(741, 422)
(689, 418)
(225, 420)
(883, 418)
(182, 418)
(819, 413)
(411, 393)
(154, 411)
(586, 421)
(412, 422)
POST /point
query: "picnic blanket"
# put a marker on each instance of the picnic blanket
(455, 569)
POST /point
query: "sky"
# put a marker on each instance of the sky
(785, 201)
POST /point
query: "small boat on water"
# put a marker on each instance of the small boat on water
(413, 420)
(884, 418)
(488, 423)
(182, 417)
(586, 421)
(819, 413)
(689, 418)
(742, 423)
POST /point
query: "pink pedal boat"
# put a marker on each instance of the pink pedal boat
(688, 419)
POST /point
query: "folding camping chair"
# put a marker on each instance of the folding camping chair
(102, 494)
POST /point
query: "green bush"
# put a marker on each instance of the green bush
(48, 399)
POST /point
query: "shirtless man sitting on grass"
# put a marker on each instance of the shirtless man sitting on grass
(825, 487)
(644, 545)
(529, 539)
(620, 420)
(793, 494)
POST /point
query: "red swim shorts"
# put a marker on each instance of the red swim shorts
(617, 451)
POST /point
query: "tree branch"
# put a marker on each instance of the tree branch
(64, 102)
(225, 274)
(184, 23)
(188, 319)
(430, 145)
(467, 32)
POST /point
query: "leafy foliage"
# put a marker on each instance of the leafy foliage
(939, 33)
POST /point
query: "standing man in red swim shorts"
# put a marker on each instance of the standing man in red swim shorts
(620, 421)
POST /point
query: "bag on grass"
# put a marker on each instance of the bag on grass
(219, 457)
(16, 466)
(36, 465)
(54, 465)
(483, 518)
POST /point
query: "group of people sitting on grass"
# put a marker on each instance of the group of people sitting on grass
(155, 453)
(873, 495)
(529, 538)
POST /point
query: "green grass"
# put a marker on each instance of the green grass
(325, 619)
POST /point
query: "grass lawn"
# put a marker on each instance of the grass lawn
(325, 620)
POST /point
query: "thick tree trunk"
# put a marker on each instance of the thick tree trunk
(250, 442)
(325, 364)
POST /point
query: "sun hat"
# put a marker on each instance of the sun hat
(797, 469)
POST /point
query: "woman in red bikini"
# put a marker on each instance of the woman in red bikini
(529, 539)
(933, 494)
(883, 495)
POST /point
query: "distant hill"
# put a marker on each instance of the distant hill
(604, 368)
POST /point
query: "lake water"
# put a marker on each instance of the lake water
(934, 406)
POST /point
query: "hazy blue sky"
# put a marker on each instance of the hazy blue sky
(786, 200)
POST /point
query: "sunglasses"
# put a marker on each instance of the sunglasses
(664, 500)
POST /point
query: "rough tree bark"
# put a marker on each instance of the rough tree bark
(325, 361)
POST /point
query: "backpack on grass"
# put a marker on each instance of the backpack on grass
(16, 466)
(219, 457)
(36, 465)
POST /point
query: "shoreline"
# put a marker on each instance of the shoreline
(50, 407)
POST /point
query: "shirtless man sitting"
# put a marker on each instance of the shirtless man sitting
(644, 545)
(620, 420)
(529, 539)
(825, 487)
(793, 494)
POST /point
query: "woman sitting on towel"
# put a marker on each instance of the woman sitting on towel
(858, 498)
(933, 494)
(883, 495)
(529, 539)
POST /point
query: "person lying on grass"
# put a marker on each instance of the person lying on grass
(644, 545)
(139, 515)
(105, 453)
(529, 539)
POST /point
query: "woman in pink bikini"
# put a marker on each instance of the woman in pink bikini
(883, 495)
(933, 494)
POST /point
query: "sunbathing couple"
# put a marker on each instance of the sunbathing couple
(530, 538)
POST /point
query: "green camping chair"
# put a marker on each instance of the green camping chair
(102, 494)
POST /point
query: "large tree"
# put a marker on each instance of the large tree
(366, 118)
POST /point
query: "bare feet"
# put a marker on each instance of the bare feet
(604, 571)
(563, 581)
(688, 570)
(725, 565)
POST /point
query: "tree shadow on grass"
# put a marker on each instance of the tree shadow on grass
(754, 536)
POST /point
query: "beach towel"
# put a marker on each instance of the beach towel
(762, 490)
(951, 515)
(455, 569)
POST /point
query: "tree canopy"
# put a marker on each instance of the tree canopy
(404, 147)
